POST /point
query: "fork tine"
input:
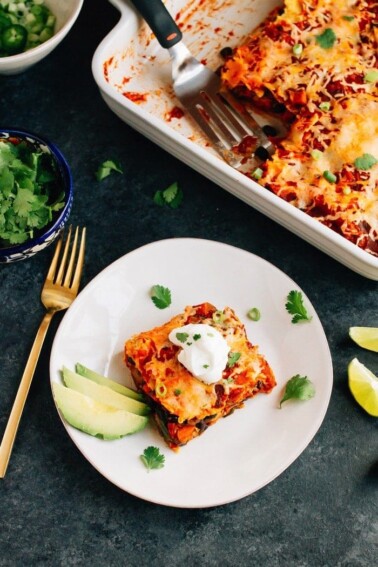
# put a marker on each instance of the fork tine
(59, 277)
(240, 114)
(217, 118)
(54, 261)
(80, 262)
(229, 113)
(68, 276)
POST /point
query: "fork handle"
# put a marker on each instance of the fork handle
(22, 393)
(160, 21)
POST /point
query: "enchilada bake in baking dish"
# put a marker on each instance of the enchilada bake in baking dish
(195, 369)
(315, 61)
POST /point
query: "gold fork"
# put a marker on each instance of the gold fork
(59, 290)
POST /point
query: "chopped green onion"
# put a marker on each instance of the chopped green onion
(348, 18)
(161, 390)
(257, 173)
(371, 76)
(297, 49)
(218, 317)
(329, 176)
(325, 106)
(316, 154)
(254, 314)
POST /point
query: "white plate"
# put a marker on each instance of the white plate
(130, 59)
(237, 455)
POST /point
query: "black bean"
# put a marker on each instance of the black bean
(226, 52)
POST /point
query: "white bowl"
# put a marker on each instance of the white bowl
(66, 13)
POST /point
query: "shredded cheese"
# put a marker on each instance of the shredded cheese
(334, 109)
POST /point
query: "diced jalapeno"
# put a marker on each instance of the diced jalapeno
(24, 25)
(13, 39)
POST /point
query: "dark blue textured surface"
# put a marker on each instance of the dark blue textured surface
(55, 509)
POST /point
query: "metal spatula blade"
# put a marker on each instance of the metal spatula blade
(230, 128)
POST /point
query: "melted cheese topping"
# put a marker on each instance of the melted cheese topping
(166, 381)
(334, 104)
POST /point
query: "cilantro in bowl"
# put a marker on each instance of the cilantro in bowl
(30, 189)
(24, 24)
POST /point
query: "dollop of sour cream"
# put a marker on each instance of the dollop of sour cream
(204, 351)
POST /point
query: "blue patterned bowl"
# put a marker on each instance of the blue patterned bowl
(45, 236)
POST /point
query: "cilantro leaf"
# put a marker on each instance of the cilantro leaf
(170, 193)
(365, 162)
(233, 357)
(299, 388)
(295, 307)
(171, 197)
(6, 181)
(152, 458)
(182, 337)
(326, 39)
(23, 202)
(28, 180)
(106, 168)
(159, 199)
(161, 296)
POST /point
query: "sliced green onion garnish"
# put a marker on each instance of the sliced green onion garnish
(325, 106)
(161, 390)
(218, 317)
(254, 314)
(257, 173)
(297, 49)
(371, 76)
(316, 154)
(329, 176)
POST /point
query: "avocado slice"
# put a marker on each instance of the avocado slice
(95, 418)
(103, 394)
(100, 379)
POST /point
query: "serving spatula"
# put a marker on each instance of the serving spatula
(231, 129)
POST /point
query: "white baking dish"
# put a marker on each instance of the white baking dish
(130, 60)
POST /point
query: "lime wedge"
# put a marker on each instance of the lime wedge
(364, 386)
(365, 337)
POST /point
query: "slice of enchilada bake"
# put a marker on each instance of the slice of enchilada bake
(315, 62)
(195, 369)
